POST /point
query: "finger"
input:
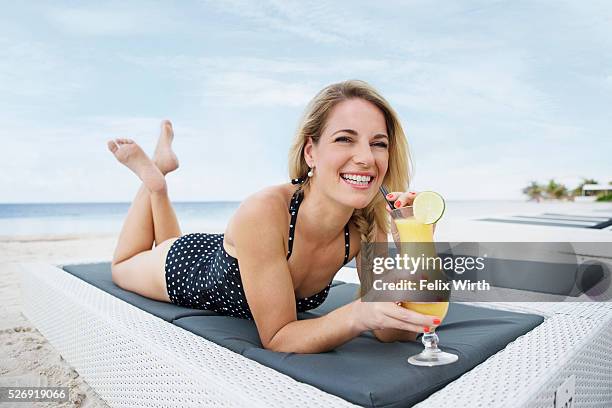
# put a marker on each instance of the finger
(404, 199)
(112, 146)
(392, 196)
(407, 315)
(392, 323)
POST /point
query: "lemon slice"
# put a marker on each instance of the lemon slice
(428, 207)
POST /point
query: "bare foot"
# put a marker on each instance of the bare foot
(132, 155)
(164, 157)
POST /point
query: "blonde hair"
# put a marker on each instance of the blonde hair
(373, 217)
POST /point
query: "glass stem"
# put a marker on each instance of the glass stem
(430, 341)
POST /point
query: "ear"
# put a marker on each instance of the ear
(309, 152)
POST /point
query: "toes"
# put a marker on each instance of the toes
(112, 146)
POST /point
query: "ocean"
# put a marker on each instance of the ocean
(212, 216)
(104, 218)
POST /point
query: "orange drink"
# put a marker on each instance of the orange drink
(411, 230)
(428, 308)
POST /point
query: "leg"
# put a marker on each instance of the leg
(137, 234)
(142, 227)
(144, 273)
(146, 224)
(165, 223)
(136, 267)
(134, 263)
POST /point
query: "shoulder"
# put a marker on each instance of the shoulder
(270, 202)
(264, 212)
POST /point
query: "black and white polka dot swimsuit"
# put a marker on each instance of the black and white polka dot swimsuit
(200, 274)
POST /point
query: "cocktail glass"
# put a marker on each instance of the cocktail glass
(416, 240)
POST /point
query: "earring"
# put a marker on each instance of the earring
(310, 172)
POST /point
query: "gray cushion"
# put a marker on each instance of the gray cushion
(99, 275)
(239, 335)
(363, 370)
(366, 371)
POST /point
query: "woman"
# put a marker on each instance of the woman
(270, 264)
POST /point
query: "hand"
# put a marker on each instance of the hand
(391, 335)
(400, 199)
(389, 315)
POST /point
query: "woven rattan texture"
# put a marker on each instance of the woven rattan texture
(134, 359)
(529, 370)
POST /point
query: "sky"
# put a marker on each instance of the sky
(491, 94)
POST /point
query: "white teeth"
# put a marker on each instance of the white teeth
(355, 177)
(360, 183)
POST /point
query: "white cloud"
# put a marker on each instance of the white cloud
(249, 81)
(244, 89)
(31, 69)
(495, 87)
(316, 22)
(119, 20)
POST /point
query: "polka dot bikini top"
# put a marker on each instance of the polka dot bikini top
(306, 303)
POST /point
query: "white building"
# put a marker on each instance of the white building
(591, 191)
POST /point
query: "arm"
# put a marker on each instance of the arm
(269, 288)
(317, 335)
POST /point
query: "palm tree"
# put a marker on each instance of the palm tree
(556, 190)
(533, 191)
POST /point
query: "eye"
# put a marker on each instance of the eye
(342, 139)
(380, 144)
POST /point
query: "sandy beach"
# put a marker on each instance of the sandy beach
(27, 358)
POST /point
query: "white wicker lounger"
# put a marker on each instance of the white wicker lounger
(134, 359)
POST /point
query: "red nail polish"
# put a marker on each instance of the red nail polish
(389, 195)
(426, 329)
(398, 204)
(437, 321)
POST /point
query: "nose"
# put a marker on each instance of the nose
(363, 154)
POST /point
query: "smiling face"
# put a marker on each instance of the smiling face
(352, 155)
